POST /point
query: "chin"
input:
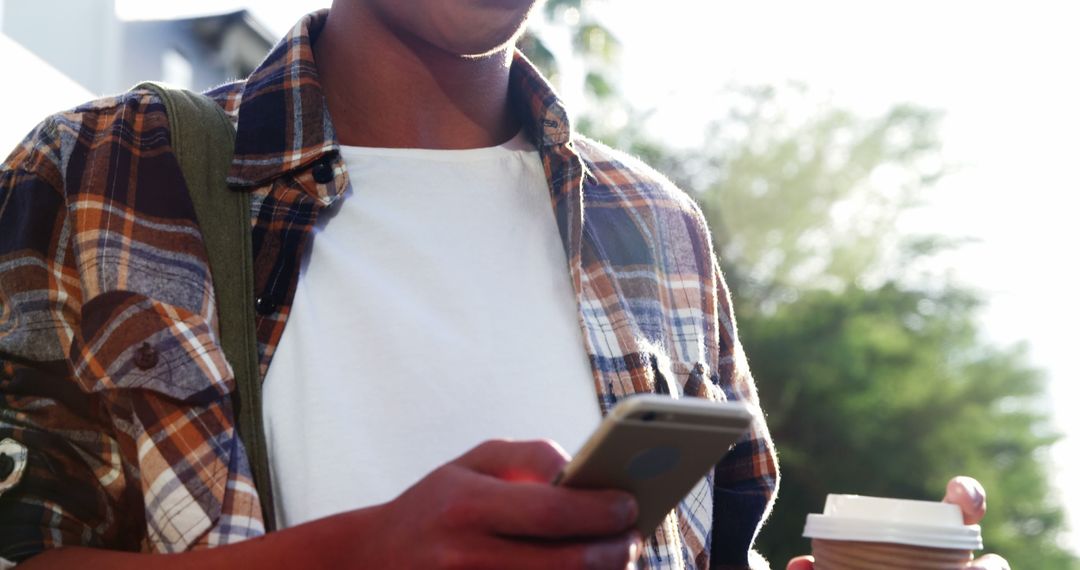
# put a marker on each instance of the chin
(488, 28)
(465, 28)
(480, 47)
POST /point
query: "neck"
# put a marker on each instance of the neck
(388, 89)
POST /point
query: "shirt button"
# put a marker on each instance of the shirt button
(323, 172)
(265, 306)
(146, 357)
(7, 465)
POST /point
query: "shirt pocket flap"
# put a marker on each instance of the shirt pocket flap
(130, 341)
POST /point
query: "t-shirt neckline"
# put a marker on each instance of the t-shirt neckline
(517, 144)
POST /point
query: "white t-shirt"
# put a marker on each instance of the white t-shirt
(434, 311)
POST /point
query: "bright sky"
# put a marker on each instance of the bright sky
(1003, 71)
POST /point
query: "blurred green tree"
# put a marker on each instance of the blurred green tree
(868, 357)
(591, 42)
(571, 26)
(889, 392)
(801, 194)
(871, 369)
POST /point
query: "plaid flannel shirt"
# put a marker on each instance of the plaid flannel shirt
(115, 398)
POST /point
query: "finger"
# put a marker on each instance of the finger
(534, 460)
(969, 495)
(541, 510)
(610, 554)
(801, 563)
(989, 562)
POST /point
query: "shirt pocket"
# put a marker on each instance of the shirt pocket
(127, 340)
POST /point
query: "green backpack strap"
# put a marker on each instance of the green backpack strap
(203, 139)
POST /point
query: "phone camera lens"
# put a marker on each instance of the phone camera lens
(648, 416)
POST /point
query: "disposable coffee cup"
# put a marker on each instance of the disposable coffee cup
(862, 533)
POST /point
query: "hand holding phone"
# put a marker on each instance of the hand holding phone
(656, 448)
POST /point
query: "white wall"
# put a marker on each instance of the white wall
(22, 109)
(80, 39)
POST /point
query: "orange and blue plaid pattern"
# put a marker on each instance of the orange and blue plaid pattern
(112, 377)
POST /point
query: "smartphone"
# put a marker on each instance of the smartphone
(657, 449)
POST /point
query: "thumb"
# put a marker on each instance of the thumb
(801, 563)
(536, 460)
(969, 495)
(988, 562)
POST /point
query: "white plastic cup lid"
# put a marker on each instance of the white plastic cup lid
(899, 521)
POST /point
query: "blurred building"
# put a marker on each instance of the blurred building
(85, 41)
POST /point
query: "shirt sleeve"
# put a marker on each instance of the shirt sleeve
(62, 481)
(746, 480)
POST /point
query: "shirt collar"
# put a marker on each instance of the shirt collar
(283, 123)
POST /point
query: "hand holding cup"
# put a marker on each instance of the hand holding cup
(898, 540)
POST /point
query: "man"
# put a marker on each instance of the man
(425, 288)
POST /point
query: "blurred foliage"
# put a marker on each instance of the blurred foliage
(593, 44)
(870, 366)
(541, 56)
(868, 358)
(889, 392)
(804, 203)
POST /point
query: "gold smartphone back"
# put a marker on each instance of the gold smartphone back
(656, 448)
